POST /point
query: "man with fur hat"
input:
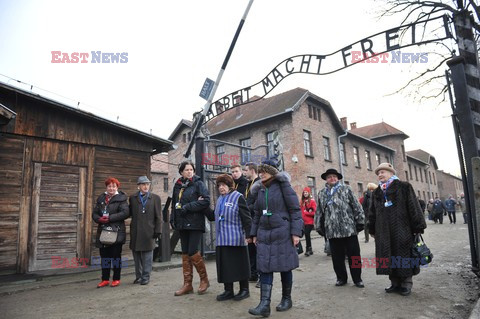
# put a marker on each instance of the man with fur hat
(394, 220)
(340, 216)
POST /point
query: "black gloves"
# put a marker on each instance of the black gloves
(156, 235)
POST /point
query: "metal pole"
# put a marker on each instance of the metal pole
(207, 105)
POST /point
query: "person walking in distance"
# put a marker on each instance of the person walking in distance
(309, 207)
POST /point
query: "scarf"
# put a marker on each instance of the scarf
(384, 185)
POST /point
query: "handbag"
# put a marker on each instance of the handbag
(108, 236)
(421, 251)
(299, 248)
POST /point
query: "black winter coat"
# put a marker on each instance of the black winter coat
(191, 216)
(241, 185)
(118, 211)
(275, 250)
(394, 226)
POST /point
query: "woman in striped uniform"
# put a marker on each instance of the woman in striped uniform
(232, 225)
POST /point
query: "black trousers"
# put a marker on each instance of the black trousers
(350, 246)
(252, 254)
(450, 215)
(111, 257)
(190, 241)
(308, 238)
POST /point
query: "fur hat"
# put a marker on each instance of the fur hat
(269, 166)
(225, 179)
(386, 167)
(331, 171)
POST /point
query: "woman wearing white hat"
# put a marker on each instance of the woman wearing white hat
(395, 217)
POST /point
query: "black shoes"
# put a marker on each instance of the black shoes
(340, 283)
(242, 294)
(391, 289)
(226, 295)
(359, 284)
(137, 281)
(405, 291)
(144, 282)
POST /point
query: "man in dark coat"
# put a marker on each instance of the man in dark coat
(395, 219)
(145, 227)
(253, 186)
(438, 210)
(240, 182)
(276, 229)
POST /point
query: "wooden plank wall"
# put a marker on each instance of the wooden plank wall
(11, 167)
(124, 165)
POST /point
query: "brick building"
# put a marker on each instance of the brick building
(312, 140)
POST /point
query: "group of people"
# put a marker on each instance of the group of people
(110, 212)
(259, 221)
(437, 209)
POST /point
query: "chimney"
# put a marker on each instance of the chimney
(353, 125)
(344, 123)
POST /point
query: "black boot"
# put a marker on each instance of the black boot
(227, 294)
(244, 291)
(263, 308)
(286, 302)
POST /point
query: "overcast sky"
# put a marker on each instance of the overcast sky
(172, 46)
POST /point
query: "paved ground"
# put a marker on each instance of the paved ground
(446, 289)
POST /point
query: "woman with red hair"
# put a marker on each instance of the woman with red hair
(309, 207)
(111, 210)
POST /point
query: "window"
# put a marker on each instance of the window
(426, 177)
(312, 185)
(410, 171)
(430, 175)
(369, 161)
(271, 146)
(189, 136)
(416, 175)
(387, 159)
(184, 138)
(421, 175)
(326, 148)
(220, 151)
(406, 175)
(434, 182)
(436, 194)
(319, 117)
(165, 184)
(377, 158)
(360, 189)
(419, 197)
(307, 143)
(403, 153)
(424, 197)
(310, 111)
(343, 157)
(356, 158)
(314, 113)
(245, 154)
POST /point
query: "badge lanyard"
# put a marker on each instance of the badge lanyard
(144, 203)
(265, 211)
(388, 203)
(248, 189)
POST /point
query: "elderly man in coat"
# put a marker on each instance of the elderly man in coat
(340, 216)
(395, 218)
(145, 227)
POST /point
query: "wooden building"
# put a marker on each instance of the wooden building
(54, 160)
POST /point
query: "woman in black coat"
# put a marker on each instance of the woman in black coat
(395, 218)
(276, 229)
(111, 210)
(189, 201)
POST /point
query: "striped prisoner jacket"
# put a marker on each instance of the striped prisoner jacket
(232, 220)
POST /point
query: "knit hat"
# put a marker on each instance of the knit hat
(331, 171)
(307, 189)
(269, 166)
(386, 167)
(225, 179)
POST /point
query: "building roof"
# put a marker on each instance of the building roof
(159, 163)
(264, 109)
(378, 130)
(370, 141)
(422, 156)
(6, 114)
(179, 126)
(159, 144)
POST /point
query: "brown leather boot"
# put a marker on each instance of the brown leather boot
(202, 272)
(187, 276)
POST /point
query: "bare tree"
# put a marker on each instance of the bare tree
(430, 83)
